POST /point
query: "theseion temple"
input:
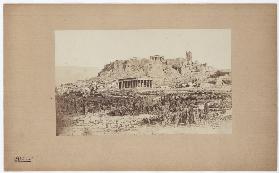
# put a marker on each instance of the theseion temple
(135, 83)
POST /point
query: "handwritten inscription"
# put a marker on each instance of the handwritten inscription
(23, 159)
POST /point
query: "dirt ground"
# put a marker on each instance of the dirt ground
(102, 124)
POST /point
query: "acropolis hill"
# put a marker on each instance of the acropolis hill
(163, 72)
(170, 72)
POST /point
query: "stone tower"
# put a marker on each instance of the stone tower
(189, 57)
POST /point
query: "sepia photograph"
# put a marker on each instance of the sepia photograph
(143, 82)
(140, 87)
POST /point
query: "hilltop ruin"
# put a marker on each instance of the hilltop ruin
(162, 72)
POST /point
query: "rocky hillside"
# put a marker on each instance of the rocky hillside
(167, 72)
(173, 73)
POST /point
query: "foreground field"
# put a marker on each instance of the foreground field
(149, 112)
(100, 124)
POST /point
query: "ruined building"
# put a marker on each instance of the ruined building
(189, 57)
(134, 83)
(157, 58)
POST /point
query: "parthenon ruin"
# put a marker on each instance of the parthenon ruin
(135, 83)
(157, 57)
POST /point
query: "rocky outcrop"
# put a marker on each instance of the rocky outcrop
(166, 72)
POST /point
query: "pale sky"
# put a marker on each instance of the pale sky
(99, 47)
